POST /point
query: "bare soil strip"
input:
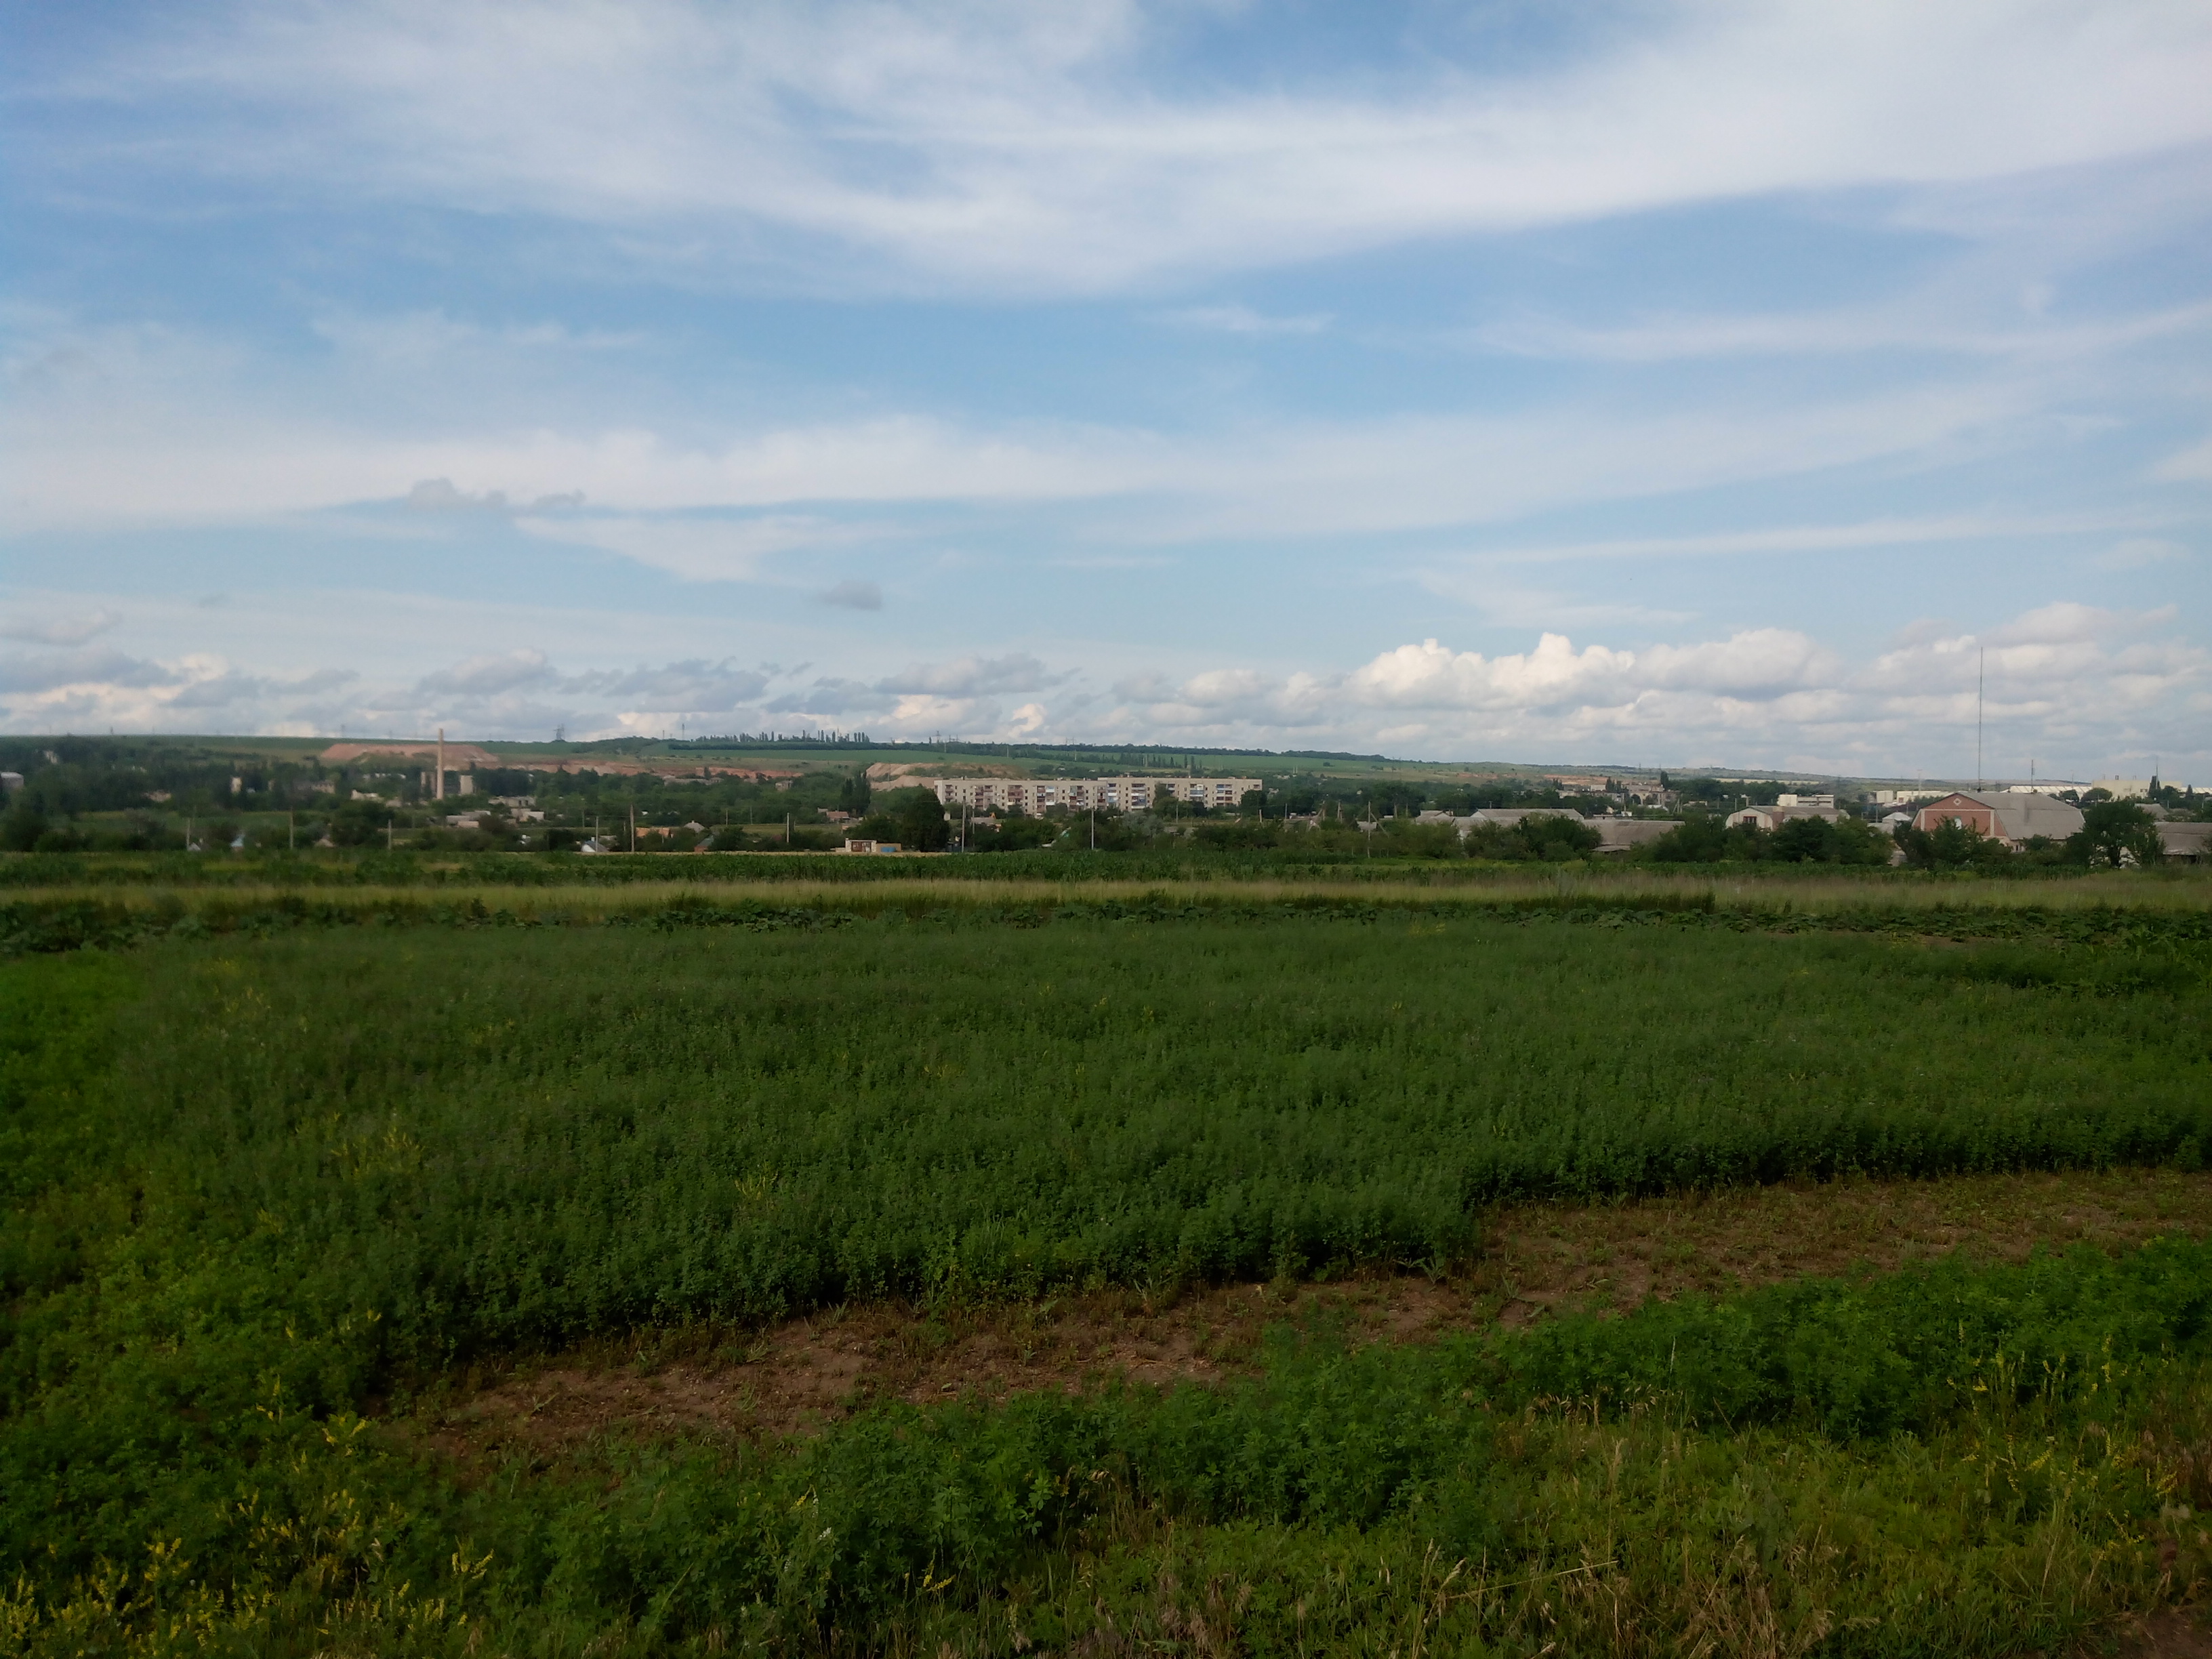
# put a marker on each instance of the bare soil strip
(798, 1378)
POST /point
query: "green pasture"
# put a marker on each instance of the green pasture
(263, 1189)
(508, 1137)
(141, 879)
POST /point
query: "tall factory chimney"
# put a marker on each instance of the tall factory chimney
(439, 792)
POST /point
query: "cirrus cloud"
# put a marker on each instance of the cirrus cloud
(989, 144)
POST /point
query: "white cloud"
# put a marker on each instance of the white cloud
(1919, 327)
(965, 696)
(439, 496)
(146, 426)
(1242, 319)
(701, 549)
(87, 690)
(2065, 678)
(2191, 466)
(969, 677)
(59, 631)
(2139, 552)
(852, 594)
(694, 687)
(2072, 684)
(488, 677)
(1757, 663)
(1816, 538)
(1001, 143)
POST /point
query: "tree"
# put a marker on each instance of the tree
(1858, 842)
(1953, 845)
(1700, 838)
(1555, 839)
(853, 791)
(2115, 833)
(915, 818)
(1550, 837)
(1805, 841)
(20, 830)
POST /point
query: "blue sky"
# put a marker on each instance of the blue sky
(1659, 384)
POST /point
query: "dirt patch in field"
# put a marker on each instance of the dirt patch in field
(1540, 1258)
(1536, 1259)
(2169, 1636)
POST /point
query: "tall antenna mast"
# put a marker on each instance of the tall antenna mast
(1981, 666)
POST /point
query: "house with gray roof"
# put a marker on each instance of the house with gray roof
(2002, 817)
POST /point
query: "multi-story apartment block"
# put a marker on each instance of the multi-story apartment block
(1040, 795)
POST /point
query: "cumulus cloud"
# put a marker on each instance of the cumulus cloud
(523, 690)
(2069, 683)
(694, 687)
(517, 693)
(2062, 678)
(964, 695)
(973, 677)
(82, 690)
(1757, 663)
(487, 677)
(42, 672)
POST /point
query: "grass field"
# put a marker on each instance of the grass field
(141, 878)
(2170, 908)
(273, 1200)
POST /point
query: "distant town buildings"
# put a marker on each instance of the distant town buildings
(443, 757)
(1036, 796)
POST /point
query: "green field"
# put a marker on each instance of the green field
(274, 1192)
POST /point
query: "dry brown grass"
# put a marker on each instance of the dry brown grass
(798, 1378)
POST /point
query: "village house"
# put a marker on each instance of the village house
(2005, 816)
(2185, 844)
(1786, 809)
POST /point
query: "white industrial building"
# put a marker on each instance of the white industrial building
(1036, 796)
